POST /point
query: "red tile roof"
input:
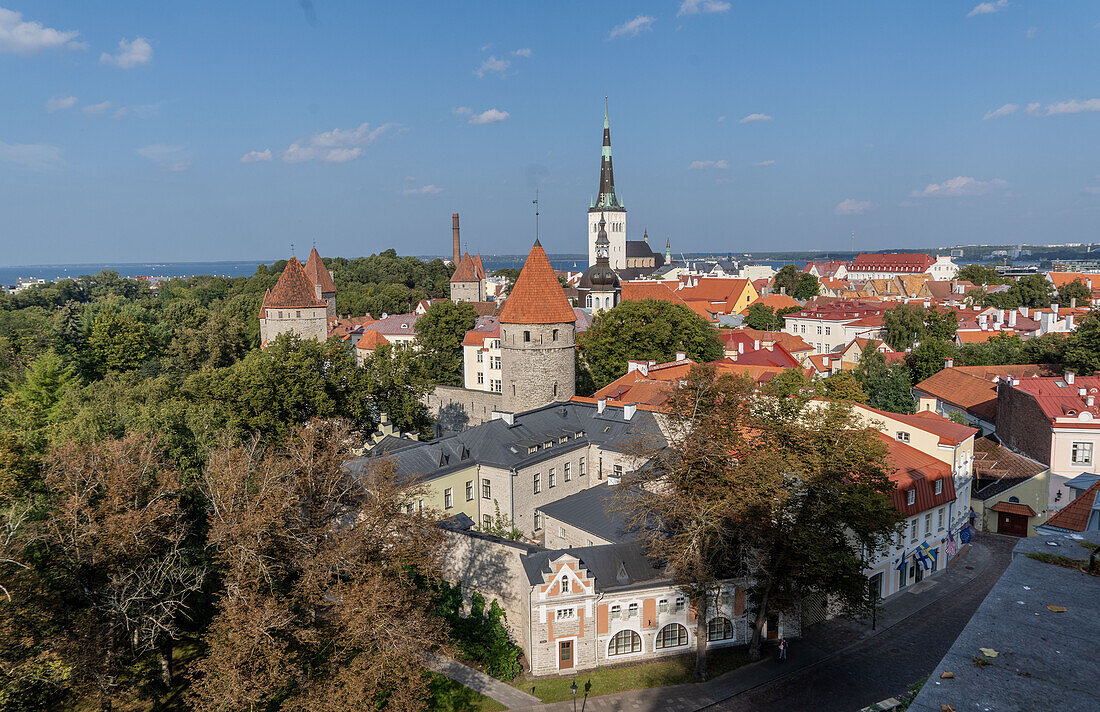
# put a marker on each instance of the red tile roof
(1013, 508)
(715, 289)
(892, 262)
(914, 470)
(318, 273)
(467, 270)
(775, 301)
(537, 296)
(974, 388)
(1075, 515)
(1058, 398)
(371, 340)
(294, 290)
(949, 432)
(635, 291)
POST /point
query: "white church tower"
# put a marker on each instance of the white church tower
(607, 208)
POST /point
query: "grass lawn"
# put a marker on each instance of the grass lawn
(450, 696)
(608, 680)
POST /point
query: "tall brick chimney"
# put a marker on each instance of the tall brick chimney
(454, 235)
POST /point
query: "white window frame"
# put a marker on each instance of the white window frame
(565, 614)
(1081, 453)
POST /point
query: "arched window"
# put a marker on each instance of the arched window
(719, 629)
(554, 336)
(589, 301)
(565, 583)
(1014, 500)
(672, 635)
(624, 643)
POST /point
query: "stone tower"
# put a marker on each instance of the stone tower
(293, 305)
(537, 339)
(607, 207)
(323, 286)
(599, 286)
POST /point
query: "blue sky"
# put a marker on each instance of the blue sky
(134, 131)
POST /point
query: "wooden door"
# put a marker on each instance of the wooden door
(1013, 524)
(565, 655)
(773, 626)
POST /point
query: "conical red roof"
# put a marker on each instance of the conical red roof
(537, 296)
(467, 270)
(294, 290)
(318, 273)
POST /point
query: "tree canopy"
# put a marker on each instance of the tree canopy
(979, 274)
(648, 329)
(439, 334)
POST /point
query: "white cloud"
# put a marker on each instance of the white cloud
(60, 103)
(170, 158)
(18, 36)
(851, 206)
(489, 116)
(633, 28)
(1091, 190)
(721, 119)
(119, 112)
(336, 146)
(1031, 32)
(695, 7)
(1034, 109)
(36, 156)
(703, 165)
(1005, 110)
(93, 109)
(257, 156)
(755, 117)
(493, 64)
(130, 54)
(988, 8)
(462, 110)
(1073, 106)
(764, 163)
(524, 52)
(958, 186)
(423, 190)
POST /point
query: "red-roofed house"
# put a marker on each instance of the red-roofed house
(468, 280)
(368, 342)
(1089, 279)
(829, 269)
(293, 305)
(881, 266)
(481, 356)
(1055, 421)
(830, 324)
(711, 297)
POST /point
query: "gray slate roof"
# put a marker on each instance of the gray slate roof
(591, 510)
(1046, 660)
(499, 444)
(606, 563)
(1083, 481)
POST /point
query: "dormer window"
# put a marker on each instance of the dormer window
(911, 497)
(902, 436)
(939, 486)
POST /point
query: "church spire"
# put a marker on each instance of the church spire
(607, 198)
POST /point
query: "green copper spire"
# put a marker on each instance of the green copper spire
(607, 199)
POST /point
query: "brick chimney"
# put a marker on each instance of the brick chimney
(457, 248)
(948, 363)
(1070, 376)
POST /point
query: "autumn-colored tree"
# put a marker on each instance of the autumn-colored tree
(102, 565)
(764, 488)
(320, 607)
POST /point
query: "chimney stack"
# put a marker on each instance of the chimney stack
(457, 248)
(1090, 401)
(601, 405)
(1070, 376)
(1012, 318)
(681, 355)
(1073, 302)
(948, 363)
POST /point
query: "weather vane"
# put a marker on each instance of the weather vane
(536, 202)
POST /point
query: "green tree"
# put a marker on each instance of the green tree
(807, 287)
(648, 329)
(395, 385)
(843, 385)
(1082, 347)
(786, 280)
(1074, 290)
(120, 341)
(439, 334)
(32, 405)
(1034, 290)
(761, 316)
(929, 358)
(776, 490)
(904, 325)
(887, 386)
(510, 274)
(979, 274)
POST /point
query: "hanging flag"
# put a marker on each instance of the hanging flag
(964, 535)
(951, 550)
(925, 556)
(901, 565)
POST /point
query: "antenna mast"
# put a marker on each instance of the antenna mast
(536, 202)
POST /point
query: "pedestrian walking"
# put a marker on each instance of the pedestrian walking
(782, 649)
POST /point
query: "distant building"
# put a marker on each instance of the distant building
(882, 266)
(468, 281)
(598, 288)
(295, 305)
(830, 325)
(323, 286)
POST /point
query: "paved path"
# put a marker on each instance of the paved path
(478, 681)
(839, 665)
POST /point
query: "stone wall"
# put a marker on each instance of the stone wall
(492, 567)
(310, 323)
(460, 408)
(467, 291)
(1021, 423)
(538, 365)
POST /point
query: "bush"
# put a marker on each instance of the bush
(481, 636)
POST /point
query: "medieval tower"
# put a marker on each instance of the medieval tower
(608, 208)
(537, 338)
(323, 286)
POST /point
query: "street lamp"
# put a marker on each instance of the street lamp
(573, 689)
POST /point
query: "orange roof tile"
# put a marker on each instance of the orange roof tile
(1013, 508)
(775, 301)
(318, 273)
(294, 290)
(537, 297)
(371, 340)
(467, 270)
(1075, 515)
(914, 470)
(637, 290)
